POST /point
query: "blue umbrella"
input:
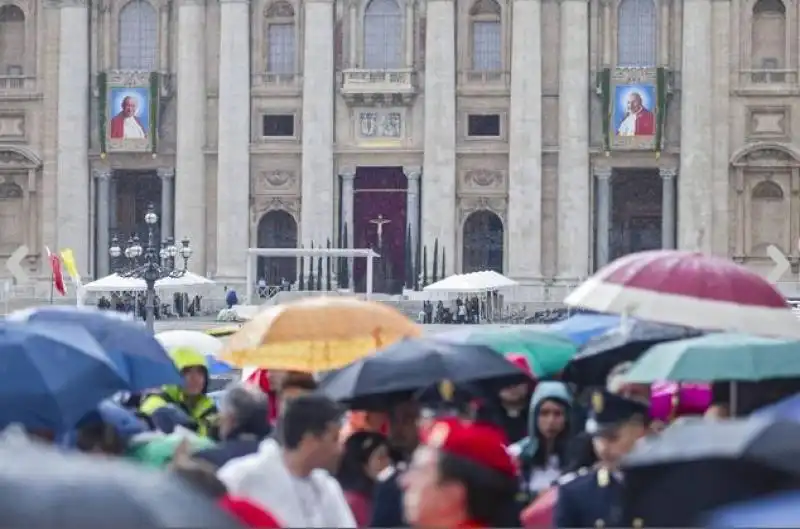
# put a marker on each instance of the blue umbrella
(216, 366)
(786, 409)
(777, 510)
(581, 328)
(128, 344)
(52, 375)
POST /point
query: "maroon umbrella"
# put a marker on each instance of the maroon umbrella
(691, 289)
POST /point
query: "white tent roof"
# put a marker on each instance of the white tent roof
(473, 282)
(117, 283)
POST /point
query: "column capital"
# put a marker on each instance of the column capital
(65, 3)
(102, 174)
(165, 172)
(667, 173)
(412, 172)
(603, 173)
(348, 173)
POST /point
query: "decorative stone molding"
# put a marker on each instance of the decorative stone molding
(265, 204)
(18, 156)
(470, 205)
(483, 178)
(165, 173)
(413, 172)
(268, 182)
(766, 154)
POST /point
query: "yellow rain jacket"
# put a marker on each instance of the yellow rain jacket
(201, 408)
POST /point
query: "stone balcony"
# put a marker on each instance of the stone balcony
(17, 86)
(361, 86)
(277, 84)
(483, 82)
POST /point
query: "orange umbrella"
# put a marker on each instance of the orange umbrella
(539, 514)
(316, 334)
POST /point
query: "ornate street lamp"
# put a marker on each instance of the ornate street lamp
(150, 262)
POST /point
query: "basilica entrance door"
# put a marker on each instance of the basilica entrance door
(277, 229)
(133, 192)
(635, 211)
(483, 243)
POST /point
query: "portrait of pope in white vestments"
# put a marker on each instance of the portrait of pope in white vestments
(129, 108)
(633, 110)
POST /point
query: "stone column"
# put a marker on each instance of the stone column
(190, 178)
(409, 39)
(573, 143)
(353, 34)
(525, 143)
(112, 206)
(439, 163)
(348, 210)
(603, 221)
(412, 207)
(667, 208)
(167, 176)
(317, 213)
(694, 186)
(102, 178)
(233, 140)
(72, 184)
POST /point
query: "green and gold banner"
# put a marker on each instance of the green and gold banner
(661, 113)
(604, 89)
(635, 109)
(128, 111)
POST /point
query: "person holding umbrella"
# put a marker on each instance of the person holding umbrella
(593, 499)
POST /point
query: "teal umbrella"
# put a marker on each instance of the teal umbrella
(718, 357)
(157, 450)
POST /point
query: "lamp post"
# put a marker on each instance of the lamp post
(151, 262)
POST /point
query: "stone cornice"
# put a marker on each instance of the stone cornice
(65, 3)
(192, 3)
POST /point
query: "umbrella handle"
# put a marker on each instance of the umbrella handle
(376, 335)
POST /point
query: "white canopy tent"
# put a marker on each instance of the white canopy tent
(117, 283)
(483, 281)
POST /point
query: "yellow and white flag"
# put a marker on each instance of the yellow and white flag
(68, 261)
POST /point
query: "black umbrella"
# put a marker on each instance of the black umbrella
(601, 354)
(42, 487)
(697, 465)
(414, 364)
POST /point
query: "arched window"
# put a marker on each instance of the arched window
(12, 40)
(281, 42)
(138, 36)
(383, 35)
(637, 33)
(768, 37)
(767, 190)
(486, 36)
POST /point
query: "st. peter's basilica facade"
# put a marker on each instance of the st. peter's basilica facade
(540, 138)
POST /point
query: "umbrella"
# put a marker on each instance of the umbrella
(786, 409)
(52, 375)
(546, 353)
(157, 449)
(127, 343)
(685, 288)
(596, 359)
(317, 334)
(700, 465)
(413, 365)
(718, 357)
(43, 487)
(201, 342)
(580, 328)
(775, 510)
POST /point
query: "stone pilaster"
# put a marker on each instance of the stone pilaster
(668, 207)
(525, 143)
(233, 153)
(190, 179)
(602, 178)
(72, 184)
(412, 207)
(348, 211)
(573, 142)
(102, 178)
(439, 162)
(167, 176)
(694, 186)
(317, 213)
(721, 108)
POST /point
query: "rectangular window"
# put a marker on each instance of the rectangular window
(278, 125)
(487, 46)
(483, 125)
(281, 49)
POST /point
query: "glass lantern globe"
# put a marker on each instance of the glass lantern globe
(151, 218)
(186, 250)
(115, 251)
(163, 253)
(172, 251)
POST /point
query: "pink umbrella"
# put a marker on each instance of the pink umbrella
(669, 400)
(690, 289)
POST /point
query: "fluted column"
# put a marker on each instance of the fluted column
(102, 178)
(667, 208)
(695, 184)
(348, 211)
(603, 222)
(573, 141)
(190, 178)
(317, 213)
(167, 176)
(439, 162)
(72, 184)
(412, 207)
(525, 143)
(233, 152)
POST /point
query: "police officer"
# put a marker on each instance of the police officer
(593, 498)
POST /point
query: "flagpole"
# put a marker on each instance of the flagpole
(52, 285)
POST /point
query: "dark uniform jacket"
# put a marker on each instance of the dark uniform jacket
(589, 498)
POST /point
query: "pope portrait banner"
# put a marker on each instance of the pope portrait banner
(129, 112)
(634, 109)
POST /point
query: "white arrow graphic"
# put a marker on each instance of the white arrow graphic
(781, 263)
(14, 264)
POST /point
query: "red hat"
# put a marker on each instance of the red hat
(480, 443)
(248, 513)
(521, 362)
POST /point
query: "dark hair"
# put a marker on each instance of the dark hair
(358, 448)
(298, 380)
(490, 494)
(539, 457)
(200, 475)
(100, 436)
(307, 415)
(249, 407)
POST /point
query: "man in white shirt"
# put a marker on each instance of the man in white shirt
(291, 479)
